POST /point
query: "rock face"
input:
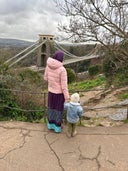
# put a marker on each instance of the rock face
(106, 105)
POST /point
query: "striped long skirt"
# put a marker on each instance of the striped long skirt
(55, 111)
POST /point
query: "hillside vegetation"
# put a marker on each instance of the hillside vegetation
(24, 93)
(14, 43)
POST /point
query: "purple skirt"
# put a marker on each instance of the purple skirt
(55, 111)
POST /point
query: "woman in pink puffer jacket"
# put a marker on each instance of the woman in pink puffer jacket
(56, 76)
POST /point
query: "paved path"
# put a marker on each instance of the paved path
(31, 147)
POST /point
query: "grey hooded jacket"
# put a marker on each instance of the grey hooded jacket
(74, 111)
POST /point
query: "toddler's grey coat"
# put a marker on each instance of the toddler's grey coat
(74, 111)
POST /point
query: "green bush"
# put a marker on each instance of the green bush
(108, 66)
(71, 75)
(121, 77)
(8, 104)
(115, 65)
(30, 75)
(33, 112)
(11, 103)
(95, 69)
(11, 109)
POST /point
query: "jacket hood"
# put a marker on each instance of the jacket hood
(53, 63)
(75, 98)
(75, 104)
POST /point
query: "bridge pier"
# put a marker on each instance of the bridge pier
(45, 50)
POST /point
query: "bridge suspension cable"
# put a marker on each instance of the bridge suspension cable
(74, 56)
(30, 49)
(26, 54)
(21, 52)
(64, 50)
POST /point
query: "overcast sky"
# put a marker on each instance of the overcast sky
(26, 19)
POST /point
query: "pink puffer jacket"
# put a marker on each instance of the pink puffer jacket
(56, 75)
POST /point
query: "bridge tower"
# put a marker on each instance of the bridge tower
(46, 49)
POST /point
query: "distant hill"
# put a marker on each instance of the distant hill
(14, 43)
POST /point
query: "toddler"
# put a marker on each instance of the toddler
(74, 112)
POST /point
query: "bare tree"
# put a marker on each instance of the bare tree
(103, 21)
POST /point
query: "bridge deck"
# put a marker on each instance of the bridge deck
(66, 62)
(73, 60)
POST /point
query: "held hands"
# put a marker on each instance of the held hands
(67, 100)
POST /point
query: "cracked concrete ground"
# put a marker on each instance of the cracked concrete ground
(31, 147)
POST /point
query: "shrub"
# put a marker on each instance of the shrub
(8, 104)
(11, 109)
(71, 75)
(95, 69)
(121, 77)
(115, 64)
(33, 112)
(30, 75)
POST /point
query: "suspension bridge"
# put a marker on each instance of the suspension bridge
(70, 58)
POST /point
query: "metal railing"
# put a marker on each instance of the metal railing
(26, 100)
